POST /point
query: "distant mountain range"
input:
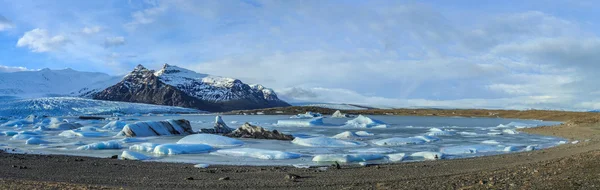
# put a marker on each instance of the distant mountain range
(171, 85)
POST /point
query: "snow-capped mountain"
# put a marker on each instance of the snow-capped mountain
(176, 86)
(47, 82)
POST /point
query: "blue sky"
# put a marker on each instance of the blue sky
(491, 54)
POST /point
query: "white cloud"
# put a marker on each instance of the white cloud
(9, 69)
(39, 40)
(91, 30)
(5, 24)
(114, 41)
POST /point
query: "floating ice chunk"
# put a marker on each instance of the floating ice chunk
(115, 125)
(345, 158)
(258, 153)
(467, 133)
(428, 155)
(562, 142)
(373, 150)
(21, 136)
(517, 125)
(144, 147)
(326, 142)
(64, 126)
(396, 157)
(428, 138)
(440, 132)
(352, 135)
(513, 148)
(471, 149)
(80, 133)
(365, 122)
(510, 131)
(210, 139)
(494, 133)
(101, 145)
(181, 149)
(157, 128)
(128, 155)
(490, 142)
(531, 148)
(9, 133)
(16, 123)
(201, 166)
(301, 122)
(306, 115)
(339, 114)
(399, 141)
(35, 141)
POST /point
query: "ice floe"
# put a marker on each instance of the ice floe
(326, 142)
(345, 158)
(306, 115)
(373, 150)
(396, 157)
(144, 147)
(440, 132)
(64, 126)
(399, 141)
(181, 149)
(258, 153)
(352, 135)
(35, 141)
(210, 139)
(365, 122)
(101, 145)
(201, 166)
(115, 125)
(129, 155)
(510, 131)
(471, 149)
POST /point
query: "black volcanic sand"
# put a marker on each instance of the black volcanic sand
(570, 166)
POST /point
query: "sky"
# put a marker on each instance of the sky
(461, 54)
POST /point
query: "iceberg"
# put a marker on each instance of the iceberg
(144, 147)
(510, 131)
(490, 142)
(101, 145)
(115, 125)
(306, 115)
(326, 142)
(396, 157)
(339, 114)
(35, 141)
(210, 139)
(514, 148)
(373, 150)
(9, 133)
(428, 155)
(64, 126)
(157, 128)
(128, 155)
(171, 149)
(301, 122)
(352, 135)
(365, 122)
(83, 132)
(345, 158)
(201, 166)
(219, 128)
(399, 141)
(440, 132)
(258, 153)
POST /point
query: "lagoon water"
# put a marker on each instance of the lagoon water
(458, 138)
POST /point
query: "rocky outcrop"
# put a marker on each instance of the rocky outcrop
(175, 86)
(251, 131)
(219, 128)
(157, 128)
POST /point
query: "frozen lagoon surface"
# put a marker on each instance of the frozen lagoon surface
(447, 137)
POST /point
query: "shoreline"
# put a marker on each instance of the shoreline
(563, 166)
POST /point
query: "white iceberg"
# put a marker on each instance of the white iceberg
(101, 145)
(428, 155)
(365, 122)
(490, 142)
(510, 131)
(35, 141)
(115, 125)
(306, 115)
(326, 142)
(9, 133)
(83, 132)
(64, 126)
(373, 150)
(396, 157)
(210, 139)
(181, 149)
(514, 148)
(440, 132)
(144, 147)
(201, 166)
(301, 122)
(345, 158)
(352, 135)
(128, 155)
(399, 141)
(338, 114)
(517, 125)
(258, 153)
